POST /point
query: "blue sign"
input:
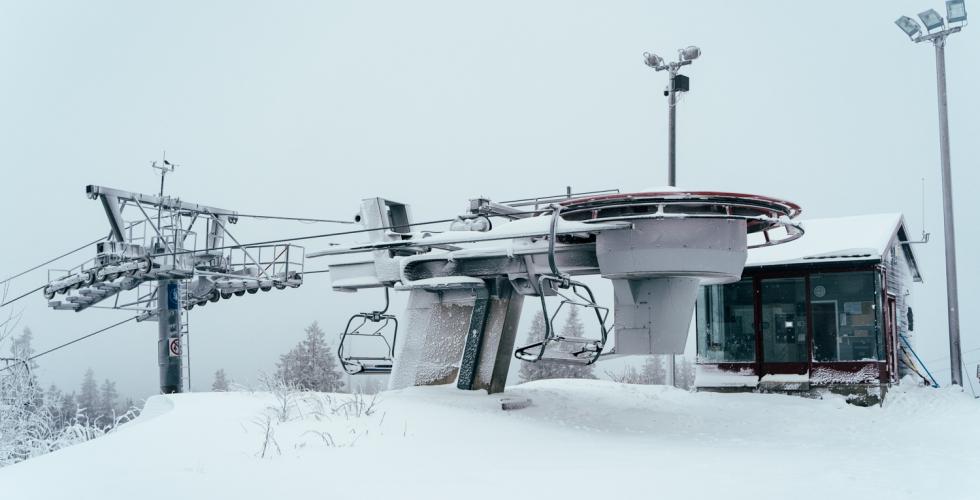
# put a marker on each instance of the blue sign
(173, 300)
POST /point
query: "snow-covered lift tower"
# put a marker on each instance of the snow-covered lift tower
(153, 265)
(466, 285)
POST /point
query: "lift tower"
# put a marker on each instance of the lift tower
(154, 265)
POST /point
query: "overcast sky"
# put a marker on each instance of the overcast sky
(304, 108)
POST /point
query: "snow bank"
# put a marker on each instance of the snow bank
(712, 376)
(578, 439)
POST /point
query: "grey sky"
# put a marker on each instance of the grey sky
(304, 108)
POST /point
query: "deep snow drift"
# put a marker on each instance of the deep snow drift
(579, 439)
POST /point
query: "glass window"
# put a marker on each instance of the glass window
(784, 320)
(845, 326)
(726, 323)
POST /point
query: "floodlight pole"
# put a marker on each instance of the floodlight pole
(938, 40)
(672, 68)
(952, 299)
(672, 133)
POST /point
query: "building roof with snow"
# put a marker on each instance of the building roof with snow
(859, 238)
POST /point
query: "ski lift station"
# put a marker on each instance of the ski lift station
(831, 310)
(780, 304)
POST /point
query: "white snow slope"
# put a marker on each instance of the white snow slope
(579, 439)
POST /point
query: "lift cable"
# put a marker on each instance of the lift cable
(299, 219)
(340, 233)
(15, 299)
(66, 344)
(316, 272)
(83, 247)
(947, 357)
(970, 380)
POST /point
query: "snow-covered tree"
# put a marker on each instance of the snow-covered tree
(684, 373)
(68, 408)
(535, 371)
(21, 348)
(88, 395)
(108, 401)
(654, 371)
(21, 353)
(54, 400)
(311, 365)
(220, 381)
(33, 422)
(574, 328)
(25, 425)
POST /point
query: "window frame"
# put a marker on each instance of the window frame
(761, 367)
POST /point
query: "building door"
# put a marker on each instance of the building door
(783, 322)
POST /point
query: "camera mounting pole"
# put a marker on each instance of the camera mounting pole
(677, 83)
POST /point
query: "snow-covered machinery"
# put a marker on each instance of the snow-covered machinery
(466, 285)
(156, 257)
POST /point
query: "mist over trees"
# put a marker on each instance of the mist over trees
(220, 383)
(34, 421)
(654, 372)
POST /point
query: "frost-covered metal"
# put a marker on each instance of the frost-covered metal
(466, 284)
(154, 264)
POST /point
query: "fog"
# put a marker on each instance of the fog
(304, 108)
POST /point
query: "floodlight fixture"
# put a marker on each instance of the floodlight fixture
(653, 60)
(931, 19)
(690, 53)
(956, 11)
(908, 25)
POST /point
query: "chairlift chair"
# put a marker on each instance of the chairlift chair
(380, 322)
(558, 348)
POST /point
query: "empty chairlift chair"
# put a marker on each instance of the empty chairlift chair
(558, 348)
(376, 326)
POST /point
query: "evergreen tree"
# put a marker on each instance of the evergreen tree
(535, 371)
(68, 408)
(108, 402)
(311, 365)
(685, 373)
(654, 371)
(88, 395)
(21, 350)
(54, 400)
(220, 381)
(574, 328)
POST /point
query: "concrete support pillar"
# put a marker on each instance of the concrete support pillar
(431, 346)
(464, 335)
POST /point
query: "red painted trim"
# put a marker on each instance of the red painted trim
(792, 208)
(761, 368)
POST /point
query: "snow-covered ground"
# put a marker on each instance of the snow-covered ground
(579, 439)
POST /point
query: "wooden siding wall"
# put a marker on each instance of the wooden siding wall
(900, 284)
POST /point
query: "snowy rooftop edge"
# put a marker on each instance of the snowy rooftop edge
(836, 239)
